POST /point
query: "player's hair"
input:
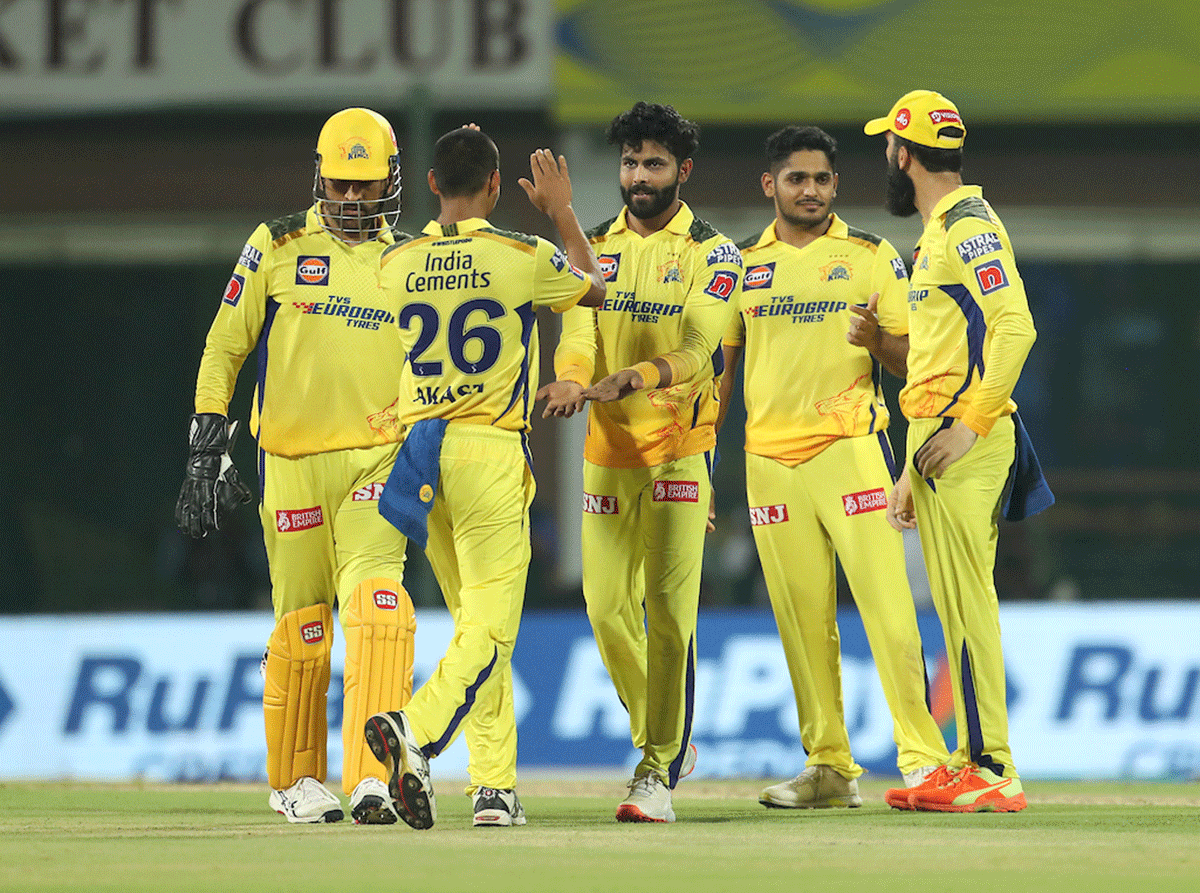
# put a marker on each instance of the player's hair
(660, 123)
(463, 159)
(935, 161)
(793, 138)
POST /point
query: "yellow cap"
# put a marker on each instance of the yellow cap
(357, 144)
(919, 117)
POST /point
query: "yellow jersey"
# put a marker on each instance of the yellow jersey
(969, 323)
(670, 295)
(328, 349)
(464, 296)
(805, 385)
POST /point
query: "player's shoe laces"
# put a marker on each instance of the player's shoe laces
(392, 742)
(649, 800)
(371, 803)
(497, 808)
(689, 762)
(971, 789)
(817, 787)
(307, 801)
(897, 798)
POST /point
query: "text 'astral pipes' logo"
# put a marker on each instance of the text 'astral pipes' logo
(676, 491)
(386, 600)
(312, 270)
(299, 519)
(312, 633)
(866, 501)
(600, 505)
(767, 514)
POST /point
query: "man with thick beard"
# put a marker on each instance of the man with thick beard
(653, 349)
(969, 458)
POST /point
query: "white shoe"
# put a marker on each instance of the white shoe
(391, 741)
(307, 801)
(918, 775)
(817, 787)
(371, 803)
(649, 800)
(689, 762)
(497, 808)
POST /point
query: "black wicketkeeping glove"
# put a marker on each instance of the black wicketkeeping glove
(212, 487)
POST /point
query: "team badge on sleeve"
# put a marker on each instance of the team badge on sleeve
(977, 246)
(250, 258)
(991, 277)
(760, 276)
(722, 285)
(312, 270)
(898, 268)
(233, 291)
(725, 253)
(609, 263)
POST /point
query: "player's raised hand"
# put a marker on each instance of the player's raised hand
(563, 398)
(864, 324)
(900, 512)
(944, 449)
(620, 384)
(550, 189)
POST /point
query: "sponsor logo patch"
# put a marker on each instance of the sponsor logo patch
(767, 514)
(312, 270)
(725, 253)
(608, 266)
(313, 632)
(287, 520)
(722, 285)
(991, 277)
(233, 290)
(760, 276)
(369, 493)
(676, 491)
(903, 119)
(250, 258)
(386, 600)
(898, 267)
(945, 116)
(559, 260)
(977, 246)
(600, 505)
(866, 501)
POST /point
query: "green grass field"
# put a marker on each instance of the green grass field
(1074, 837)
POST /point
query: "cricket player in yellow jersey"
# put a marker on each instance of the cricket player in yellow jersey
(818, 461)
(968, 457)
(465, 294)
(304, 293)
(653, 351)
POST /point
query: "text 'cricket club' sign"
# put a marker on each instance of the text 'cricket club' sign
(66, 57)
(179, 697)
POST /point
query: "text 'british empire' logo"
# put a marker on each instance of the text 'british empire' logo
(866, 501)
(676, 491)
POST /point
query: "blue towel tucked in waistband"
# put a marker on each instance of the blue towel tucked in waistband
(1026, 493)
(408, 494)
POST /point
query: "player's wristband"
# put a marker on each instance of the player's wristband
(649, 372)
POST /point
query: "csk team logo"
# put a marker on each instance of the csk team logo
(609, 263)
(355, 148)
(991, 277)
(312, 633)
(312, 270)
(839, 269)
(385, 600)
(759, 276)
(233, 291)
(670, 272)
(426, 493)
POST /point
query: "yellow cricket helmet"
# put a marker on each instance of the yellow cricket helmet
(358, 144)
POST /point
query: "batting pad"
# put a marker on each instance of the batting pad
(379, 624)
(294, 692)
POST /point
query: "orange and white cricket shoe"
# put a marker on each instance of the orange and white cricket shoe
(925, 777)
(649, 800)
(971, 789)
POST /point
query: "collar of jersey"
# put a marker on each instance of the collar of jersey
(837, 230)
(679, 224)
(433, 228)
(949, 201)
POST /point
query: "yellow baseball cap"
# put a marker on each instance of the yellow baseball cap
(919, 117)
(356, 144)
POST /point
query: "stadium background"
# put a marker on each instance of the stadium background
(144, 140)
